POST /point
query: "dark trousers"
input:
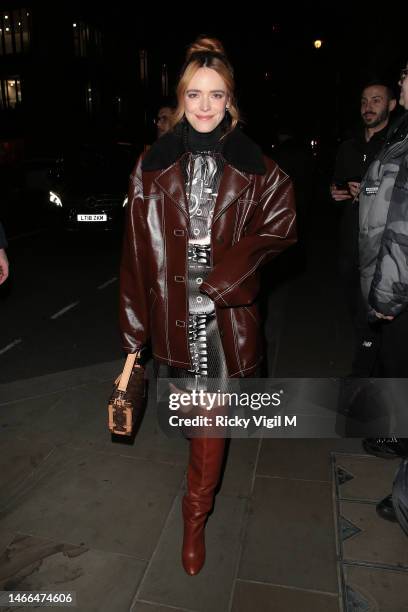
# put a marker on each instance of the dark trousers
(392, 356)
(382, 349)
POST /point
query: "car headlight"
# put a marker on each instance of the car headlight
(125, 201)
(55, 199)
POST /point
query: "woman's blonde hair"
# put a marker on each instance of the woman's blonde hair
(209, 53)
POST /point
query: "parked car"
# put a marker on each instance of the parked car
(88, 187)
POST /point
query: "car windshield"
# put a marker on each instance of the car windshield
(105, 170)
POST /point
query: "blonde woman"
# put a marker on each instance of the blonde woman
(206, 210)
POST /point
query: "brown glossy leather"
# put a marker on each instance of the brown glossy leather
(254, 220)
(206, 457)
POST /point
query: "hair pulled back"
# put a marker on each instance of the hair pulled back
(208, 53)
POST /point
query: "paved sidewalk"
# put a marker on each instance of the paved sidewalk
(104, 520)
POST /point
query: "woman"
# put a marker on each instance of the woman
(206, 209)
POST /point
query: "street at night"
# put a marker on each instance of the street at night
(261, 241)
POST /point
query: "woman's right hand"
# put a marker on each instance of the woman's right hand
(4, 266)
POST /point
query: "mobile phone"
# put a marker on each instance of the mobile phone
(342, 186)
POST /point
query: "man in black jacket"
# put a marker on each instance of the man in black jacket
(353, 158)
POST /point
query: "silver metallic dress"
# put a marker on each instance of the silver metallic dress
(202, 173)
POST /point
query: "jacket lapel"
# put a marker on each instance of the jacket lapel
(171, 181)
(233, 184)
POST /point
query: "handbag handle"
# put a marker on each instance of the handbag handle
(127, 371)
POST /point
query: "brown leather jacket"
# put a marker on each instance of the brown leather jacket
(253, 222)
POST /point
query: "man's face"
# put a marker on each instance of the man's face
(163, 120)
(403, 83)
(375, 105)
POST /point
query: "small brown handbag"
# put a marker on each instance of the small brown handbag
(128, 398)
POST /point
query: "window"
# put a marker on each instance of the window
(164, 81)
(87, 39)
(143, 66)
(91, 99)
(10, 92)
(15, 31)
(118, 105)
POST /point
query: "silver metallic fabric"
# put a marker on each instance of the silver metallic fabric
(202, 174)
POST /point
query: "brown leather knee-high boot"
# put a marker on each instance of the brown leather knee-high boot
(206, 458)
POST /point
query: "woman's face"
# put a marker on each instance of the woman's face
(205, 100)
(403, 83)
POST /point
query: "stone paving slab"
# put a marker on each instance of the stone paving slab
(290, 535)
(372, 552)
(79, 416)
(270, 598)
(376, 590)
(77, 413)
(59, 381)
(103, 581)
(6, 537)
(377, 541)
(22, 415)
(303, 458)
(20, 460)
(144, 606)
(365, 477)
(167, 583)
(113, 503)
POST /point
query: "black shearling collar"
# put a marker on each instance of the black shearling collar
(238, 150)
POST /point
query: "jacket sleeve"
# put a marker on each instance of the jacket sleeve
(389, 288)
(133, 308)
(235, 279)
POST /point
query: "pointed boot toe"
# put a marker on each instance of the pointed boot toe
(193, 560)
(193, 554)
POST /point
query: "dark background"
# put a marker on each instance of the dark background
(281, 77)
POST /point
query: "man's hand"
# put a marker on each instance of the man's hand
(354, 188)
(4, 266)
(381, 316)
(339, 194)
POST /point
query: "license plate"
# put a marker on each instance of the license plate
(92, 218)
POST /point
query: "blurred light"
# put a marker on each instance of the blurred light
(55, 199)
(125, 201)
(74, 25)
(6, 17)
(318, 44)
(7, 29)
